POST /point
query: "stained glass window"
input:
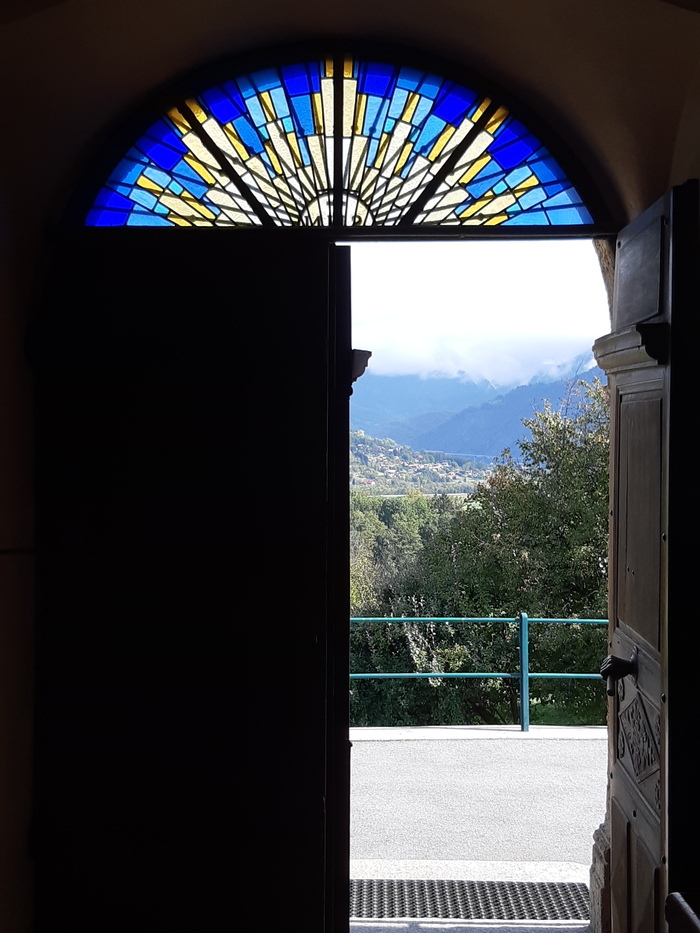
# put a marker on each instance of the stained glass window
(305, 145)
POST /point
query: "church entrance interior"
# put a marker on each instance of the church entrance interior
(196, 306)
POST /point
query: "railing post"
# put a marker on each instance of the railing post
(524, 672)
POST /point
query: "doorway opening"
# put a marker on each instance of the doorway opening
(340, 140)
(479, 485)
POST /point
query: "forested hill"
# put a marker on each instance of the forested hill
(383, 467)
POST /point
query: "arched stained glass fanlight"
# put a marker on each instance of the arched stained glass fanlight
(358, 144)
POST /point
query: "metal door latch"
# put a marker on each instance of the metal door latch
(614, 668)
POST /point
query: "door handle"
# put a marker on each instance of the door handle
(614, 668)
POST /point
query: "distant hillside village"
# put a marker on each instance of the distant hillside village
(383, 467)
(442, 435)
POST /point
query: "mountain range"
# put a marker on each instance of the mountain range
(456, 417)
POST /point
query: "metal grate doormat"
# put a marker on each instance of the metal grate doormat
(468, 900)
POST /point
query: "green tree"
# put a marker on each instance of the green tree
(532, 537)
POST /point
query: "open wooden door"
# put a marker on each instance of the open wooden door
(650, 667)
(191, 480)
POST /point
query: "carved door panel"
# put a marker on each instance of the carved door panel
(646, 404)
(636, 865)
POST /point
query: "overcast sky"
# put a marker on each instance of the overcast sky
(504, 312)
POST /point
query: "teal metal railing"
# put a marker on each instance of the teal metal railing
(523, 674)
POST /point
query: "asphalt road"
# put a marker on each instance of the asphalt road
(477, 796)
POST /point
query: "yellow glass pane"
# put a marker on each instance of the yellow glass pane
(197, 110)
(200, 169)
(149, 184)
(317, 108)
(481, 109)
(267, 106)
(272, 155)
(530, 182)
(474, 169)
(360, 113)
(476, 207)
(236, 142)
(178, 206)
(403, 158)
(293, 144)
(496, 120)
(410, 108)
(179, 120)
(381, 150)
(441, 142)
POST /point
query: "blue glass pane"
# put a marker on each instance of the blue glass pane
(248, 134)
(128, 171)
(246, 86)
(398, 102)
(376, 112)
(279, 99)
(518, 175)
(432, 129)
(554, 187)
(256, 111)
(530, 198)
(107, 198)
(98, 218)
(569, 215)
(564, 198)
(162, 145)
(232, 90)
(144, 198)
(515, 153)
(220, 105)
(377, 80)
(430, 86)
(137, 219)
(455, 105)
(547, 169)
(155, 174)
(409, 79)
(296, 79)
(267, 79)
(303, 116)
(531, 219)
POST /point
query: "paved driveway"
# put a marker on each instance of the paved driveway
(491, 803)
